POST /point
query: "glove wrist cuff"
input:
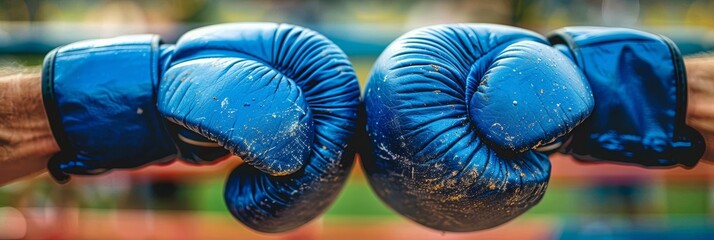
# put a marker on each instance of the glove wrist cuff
(640, 88)
(100, 96)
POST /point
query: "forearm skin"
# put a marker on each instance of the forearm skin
(700, 107)
(26, 141)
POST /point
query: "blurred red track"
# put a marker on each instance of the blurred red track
(72, 223)
(565, 168)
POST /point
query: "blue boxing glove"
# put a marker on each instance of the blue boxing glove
(640, 89)
(281, 97)
(454, 113)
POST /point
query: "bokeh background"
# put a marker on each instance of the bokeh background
(184, 202)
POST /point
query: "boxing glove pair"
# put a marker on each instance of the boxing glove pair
(455, 114)
(282, 98)
(461, 118)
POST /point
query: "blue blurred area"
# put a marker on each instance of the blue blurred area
(39, 38)
(361, 28)
(356, 39)
(690, 228)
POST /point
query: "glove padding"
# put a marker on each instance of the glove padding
(306, 74)
(640, 89)
(453, 113)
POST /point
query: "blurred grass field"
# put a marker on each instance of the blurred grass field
(581, 201)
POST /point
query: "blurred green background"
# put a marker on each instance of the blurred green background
(582, 201)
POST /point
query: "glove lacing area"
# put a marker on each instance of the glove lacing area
(99, 96)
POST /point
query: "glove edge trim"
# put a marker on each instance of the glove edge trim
(53, 118)
(681, 128)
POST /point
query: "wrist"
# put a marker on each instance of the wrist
(26, 141)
